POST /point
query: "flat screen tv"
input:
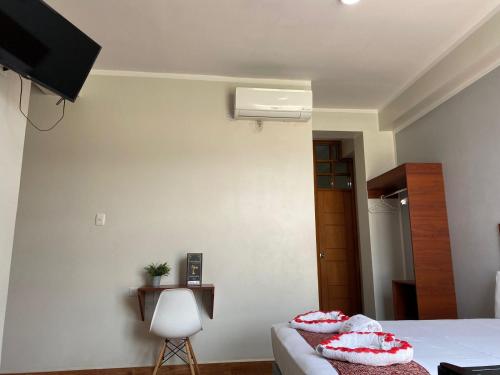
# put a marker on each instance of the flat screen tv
(41, 45)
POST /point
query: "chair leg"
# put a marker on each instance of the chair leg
(197, 370)
(190, 357)
(160, 357)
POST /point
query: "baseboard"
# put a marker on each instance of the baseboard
(229, 368)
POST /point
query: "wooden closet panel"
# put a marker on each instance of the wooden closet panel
(431, 243)
(432, 294)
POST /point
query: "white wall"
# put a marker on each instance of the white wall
(173, 174)
(387, 254)
(12, 129)
(374, 154)
(464, 134)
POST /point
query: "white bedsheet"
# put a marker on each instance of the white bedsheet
(464, 342)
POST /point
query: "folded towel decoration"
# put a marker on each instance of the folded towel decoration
(360, 340)
(344, 367)
(319, 321)
(361, 323)
(366, 348)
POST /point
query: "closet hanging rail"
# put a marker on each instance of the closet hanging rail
(393, 193)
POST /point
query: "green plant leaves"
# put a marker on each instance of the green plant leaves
(158, 269)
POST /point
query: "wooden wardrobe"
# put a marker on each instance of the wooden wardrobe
(431, 295)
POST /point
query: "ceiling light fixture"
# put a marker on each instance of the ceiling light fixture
(349, 2)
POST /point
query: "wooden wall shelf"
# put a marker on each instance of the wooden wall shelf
(208, 289)
(434, 288)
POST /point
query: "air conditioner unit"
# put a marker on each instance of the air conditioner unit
(272, 104)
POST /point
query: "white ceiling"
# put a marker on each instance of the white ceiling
(357, 57)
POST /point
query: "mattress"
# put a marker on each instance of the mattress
(463, 342)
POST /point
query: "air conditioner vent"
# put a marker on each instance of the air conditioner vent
(273, 104)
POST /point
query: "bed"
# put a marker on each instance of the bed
(464, 342)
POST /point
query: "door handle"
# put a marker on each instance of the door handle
(321, 255)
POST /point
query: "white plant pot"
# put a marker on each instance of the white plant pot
(156, 280)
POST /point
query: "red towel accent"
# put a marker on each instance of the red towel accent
(346, 368)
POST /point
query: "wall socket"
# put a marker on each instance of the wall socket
(132, 291)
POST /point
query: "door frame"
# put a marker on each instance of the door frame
(357, 255)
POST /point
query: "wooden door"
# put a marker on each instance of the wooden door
(336, 230)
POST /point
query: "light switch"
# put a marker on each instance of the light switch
(100, 219)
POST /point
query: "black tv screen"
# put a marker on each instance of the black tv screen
(40, 44)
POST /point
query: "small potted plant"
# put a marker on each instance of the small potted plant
(156, 271)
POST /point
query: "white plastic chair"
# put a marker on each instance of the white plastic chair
(176, 317)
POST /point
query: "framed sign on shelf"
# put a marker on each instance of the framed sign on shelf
(194, 269)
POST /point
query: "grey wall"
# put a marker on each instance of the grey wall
(464, 135)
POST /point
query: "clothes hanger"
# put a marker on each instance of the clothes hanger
(382, 206)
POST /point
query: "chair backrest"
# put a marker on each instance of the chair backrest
(176, 314)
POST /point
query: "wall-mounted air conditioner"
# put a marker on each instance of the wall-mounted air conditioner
(272, 104)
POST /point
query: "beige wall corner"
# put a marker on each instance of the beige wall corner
(476, 55)
(374, 154)
(378, 145)
(12, 130)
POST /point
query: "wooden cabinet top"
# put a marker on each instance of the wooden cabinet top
(397, 178)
